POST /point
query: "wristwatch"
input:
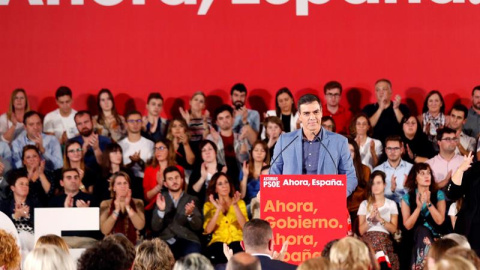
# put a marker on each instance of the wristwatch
(429, 205)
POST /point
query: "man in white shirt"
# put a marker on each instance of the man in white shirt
(458, 118)
(60, 122)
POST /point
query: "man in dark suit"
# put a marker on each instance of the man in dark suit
(258, 241)
(176, 216)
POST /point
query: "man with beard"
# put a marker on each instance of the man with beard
(48, 145)
(176, 217)
(458, 116)
(472, 126)
(246, 121)
(92, 143)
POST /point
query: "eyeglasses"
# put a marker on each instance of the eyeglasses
(390, 149)
(332, 95)
(448, 139)
(133, 121)
(160, 148)
(75, 150)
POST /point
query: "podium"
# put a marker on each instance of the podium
(308, 211)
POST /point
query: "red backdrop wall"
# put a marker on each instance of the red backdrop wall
(136, 49)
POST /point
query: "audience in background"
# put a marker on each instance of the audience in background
(370, 149)
(179, 135)
(329, 124)
(433, 115)
(154, 126)
(109, 122)
(197, 118)
(341, 116)
(73, 159)
(285, 110)
(416, 144)
(472, 126)
(60, 122)
(363, 176)
(457, 119)
(11, 122)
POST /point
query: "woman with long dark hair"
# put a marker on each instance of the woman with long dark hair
(285, 109)
(433, 114)
(417, 146)
(109, 122)
(363, 176)
(73, 159)
(370, 148)
(41, 179)
(250, 176)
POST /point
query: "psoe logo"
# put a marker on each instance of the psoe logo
(271, 182)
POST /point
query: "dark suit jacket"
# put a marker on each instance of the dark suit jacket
(175, 223)
(269, 264)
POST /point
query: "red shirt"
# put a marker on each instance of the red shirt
(342, 119)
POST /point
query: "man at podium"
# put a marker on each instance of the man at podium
(311, 149)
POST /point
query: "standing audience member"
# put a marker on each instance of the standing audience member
(472, 126)
(73, 159)
(250, 183)
(60, 122)
(378, 218)
(5, 167)
(385, 115)
(105, 255)
(10, 257)
(49, 257)
(48, 145)
(370, 149)
(458, 118)
(176, 217)
(423, 211)
(109, 122)
(153, 254)
(433, 116)
(416, 144)
(179, 135)
(197, 118)
(243, 261)
(225, 214)
(274, 128)
(340, 115)
(285, 110)
(250, 119)
(154, 126)
(193, 261)
(11, 122)
(122, 214)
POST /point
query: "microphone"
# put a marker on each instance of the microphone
(279, 154)
(335, 164)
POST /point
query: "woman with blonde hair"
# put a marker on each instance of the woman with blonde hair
(350, 253)
(318, 263)
(9, 251)
(49, 257)
(193, 261)
(455, 262)
(153, 255)
(11, 122)
(54, 240)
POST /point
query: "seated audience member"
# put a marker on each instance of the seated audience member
(250, 119)
(123, 241)
(193, 261)
(60, 122)
(92, 144)
(105, 255)
(317, 263)
(457, 119)
(446, 162)
(274, 128)
(5, 167)
(350, 253)
(164, 156)
(460, 239)
(153, 254)
(395, 168)
(232, 147)
(48, 145)
(11, 122)
(179, 135)
(258, 241)
(197, 118)
(438, 250)
(225, 214)
(329, 124)
(285, 110)
(250, 183)
(177, 217)
(243, 261)
(433, 115)
(122, 214)
(49, 257)
(112, 163)
(385, 115)
(471, 127)
(20, 208)
(453, 262)
(73, 159)
(416, 144)
(203, 173)
(465, 253)
(10, 257)
(41, 179)
(52, 240)
(137, 150)
(73, 197)
(363, 175)
(109, 122)
(370, 149)
(378, 218)
(340, 115)
(423, 211)
(154, 126)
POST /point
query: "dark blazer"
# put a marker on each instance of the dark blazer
(269, 264)
(175, 223)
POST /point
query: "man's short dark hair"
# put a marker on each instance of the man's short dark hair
(154, 95)
(308, 98)
(132, 112)
(257, 233)
(384, 80)
(30, 114)
(170, 169)
(64, 171)
(332, 85)
(476, 88)
(460, 108)
(82, 113)
(240, 87)
(15, 174)
(444, 130)
(63, 91)
(393, 138)
(105, 255)
(221, 109)
(128, 246)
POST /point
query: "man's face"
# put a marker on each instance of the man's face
(393, 150)
(311, 116)
(173, 181)
(154, 106)
(476, 99)
(448, 143)
(224, 120)
(457, 120)
(84, 125)
(134, 123)
(333, 96)
(70, 181)
(64, 103)
(33, 125)
(383, 91)
(238, 98)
